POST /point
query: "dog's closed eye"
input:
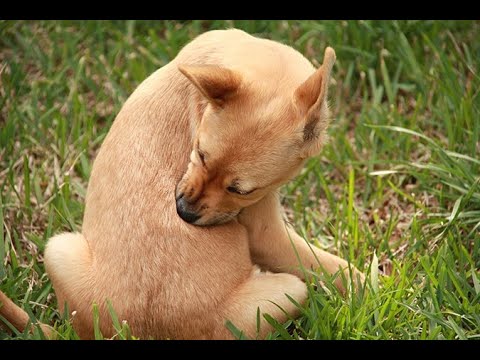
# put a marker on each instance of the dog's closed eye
(234, 189)
(201, 155)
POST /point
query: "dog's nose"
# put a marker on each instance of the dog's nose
(186, 215)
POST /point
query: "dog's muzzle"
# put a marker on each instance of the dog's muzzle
(183, 211)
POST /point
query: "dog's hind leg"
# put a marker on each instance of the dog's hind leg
(265, 291)
(68, 262)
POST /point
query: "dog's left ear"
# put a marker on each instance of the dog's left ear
(216, 83)
(310, 99)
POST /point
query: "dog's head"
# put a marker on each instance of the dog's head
(251, 140)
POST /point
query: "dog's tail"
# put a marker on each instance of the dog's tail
(17, 316)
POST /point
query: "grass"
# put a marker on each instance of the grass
(396, 190)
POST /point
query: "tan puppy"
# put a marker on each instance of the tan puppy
(205, 140)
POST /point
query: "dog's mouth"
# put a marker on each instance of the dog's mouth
(190, 216)
(217, 220)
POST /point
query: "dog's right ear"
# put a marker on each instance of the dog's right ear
(216, 83)
(310, 99)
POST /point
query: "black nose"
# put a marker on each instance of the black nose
(188, 216)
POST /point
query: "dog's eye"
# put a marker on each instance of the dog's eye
(201, 155)
(234, 189)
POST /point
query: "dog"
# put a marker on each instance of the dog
(182, 206)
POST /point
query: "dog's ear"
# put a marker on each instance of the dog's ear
(310, 98)
(216, 83)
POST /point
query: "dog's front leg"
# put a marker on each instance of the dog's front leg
(271, 240)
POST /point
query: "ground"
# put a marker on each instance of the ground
(396, 190)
